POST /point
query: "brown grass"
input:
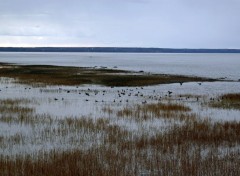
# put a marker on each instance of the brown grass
(227, 101)
(107, 110)
(16, 110)
(58, 75)
(61, 164)
(102, 147)
(155, 110)
(196, 132)
(232, 97)
(188, 150)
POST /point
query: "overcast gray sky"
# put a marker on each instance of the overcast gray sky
(130, 23)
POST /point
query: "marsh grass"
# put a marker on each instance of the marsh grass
(101, 146)
(227, 101)
(16, 110)
(155, 110)
(11, 102)
(188, 150)
(108, 110)
(59, 75)
(201, 133)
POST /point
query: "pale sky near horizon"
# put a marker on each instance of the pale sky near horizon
(120, 23)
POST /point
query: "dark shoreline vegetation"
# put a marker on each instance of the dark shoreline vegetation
(116, 50)
(63, 75)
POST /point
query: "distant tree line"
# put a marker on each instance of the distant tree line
(114, 49)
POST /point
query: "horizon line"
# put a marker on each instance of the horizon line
(128, 47)
(118, 49)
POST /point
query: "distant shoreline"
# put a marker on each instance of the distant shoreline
(115, 50)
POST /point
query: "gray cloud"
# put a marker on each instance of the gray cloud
(144, 23)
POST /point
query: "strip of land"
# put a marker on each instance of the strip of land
(62, 75)
(116, 50)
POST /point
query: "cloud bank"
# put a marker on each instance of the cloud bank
(128, 23)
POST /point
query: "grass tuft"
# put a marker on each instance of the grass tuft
(227, 101)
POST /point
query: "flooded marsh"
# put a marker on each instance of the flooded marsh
(53, 123)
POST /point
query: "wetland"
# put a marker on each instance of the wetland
(110, 119)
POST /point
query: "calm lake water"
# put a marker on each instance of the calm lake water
(208, 65)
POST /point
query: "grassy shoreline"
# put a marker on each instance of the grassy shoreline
(63, 75)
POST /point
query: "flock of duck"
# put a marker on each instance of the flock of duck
(142, 94)
(122, 95)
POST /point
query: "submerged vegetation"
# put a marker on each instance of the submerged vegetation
(59, 75)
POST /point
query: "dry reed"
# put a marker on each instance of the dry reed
(102, 147)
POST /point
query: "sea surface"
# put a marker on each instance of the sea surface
(225, 66)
